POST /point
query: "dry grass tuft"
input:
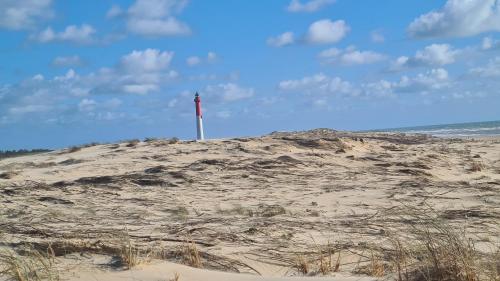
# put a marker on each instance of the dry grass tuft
(176, 277)
(236, 209)
(129, 255)
(326, 264)
(377, 267)
(74, 149)
(373, 264)
(302, 265)
(191, 255)
(492, 266)
(132, 143)
(268, 211)
(32, 266)
(432, 250)
(174, 140)
(476, 166)
(151, 139)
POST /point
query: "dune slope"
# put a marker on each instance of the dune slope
(249, 205)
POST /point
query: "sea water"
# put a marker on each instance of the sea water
(475, 129)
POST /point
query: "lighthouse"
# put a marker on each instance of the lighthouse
(199, 118)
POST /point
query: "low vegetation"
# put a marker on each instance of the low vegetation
(176, 277)
(191, 255)
(21, 152)
(132, 143)
(33, 265)
(129, 254)
(433, 250)
(302, 264)
(476, 166)
(325, 261)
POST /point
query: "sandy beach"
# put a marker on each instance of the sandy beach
(246, 208)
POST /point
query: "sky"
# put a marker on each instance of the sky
(74, 72)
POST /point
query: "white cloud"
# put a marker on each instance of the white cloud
(31, 108)
(114, 11)
(173, 103)
(489, 43)
(112, 103)
(228, 92)
(156, 8)
(458, 18)
(204, 77)
(321, 85)
(108, 116)
(281, 40)
(139, 72)
(135, 82)
(231, 77)
(67, 61)
(436, 54)
(38, 77)
(308, 6)
(149, 60)
(24, 14)
(72, 33)
(349, 56)
(45, 35)
(27, 99)
(318, 84)
(155, 18)
(141, 89)
(66, 97)
(382, 88)
(377, 36)
(76, 34)
(101, 110)
(467, 95)
(223, 114)
(79, 91)
(87, 105)
(423, 83)
(195, 60)
(433, 79)
(212, 57)
(71, 74)
(490, 70)
(432, 55)
(320, 103)
(326, 31)
(158, 27)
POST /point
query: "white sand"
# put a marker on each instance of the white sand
(252, 205)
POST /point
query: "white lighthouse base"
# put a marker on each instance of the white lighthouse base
(199, 127)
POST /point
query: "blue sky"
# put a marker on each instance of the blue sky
(73, 72)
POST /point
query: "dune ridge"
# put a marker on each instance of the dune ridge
(268, 206)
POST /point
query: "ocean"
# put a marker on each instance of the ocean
(475, 129)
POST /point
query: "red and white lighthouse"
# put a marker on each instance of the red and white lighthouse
(199, 118)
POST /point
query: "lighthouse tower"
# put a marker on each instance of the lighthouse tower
(199, 118)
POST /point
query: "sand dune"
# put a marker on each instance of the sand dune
(252, 206)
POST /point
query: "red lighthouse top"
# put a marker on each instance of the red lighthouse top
(197, 100)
